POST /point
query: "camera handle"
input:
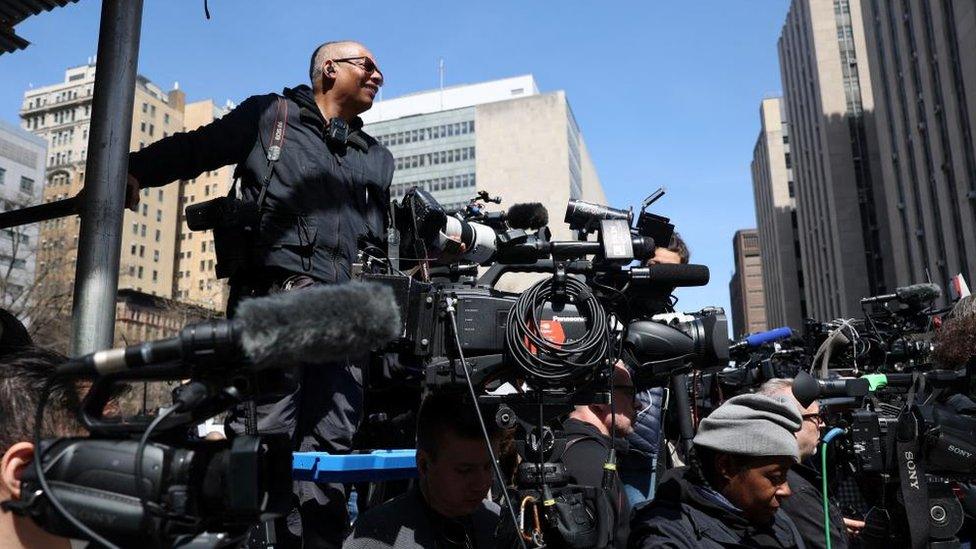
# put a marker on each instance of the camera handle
(686, 428)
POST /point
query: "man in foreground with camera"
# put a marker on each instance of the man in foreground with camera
(731, 492)
(447, 509)
(805, 506)
(23, 375)
(313, 186)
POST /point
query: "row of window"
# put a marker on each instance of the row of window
(7, 260)
(140, 250)
(434, 158)
(435, 184)
(425, 134)
(17, 237)
(140, 230)
(137, 271)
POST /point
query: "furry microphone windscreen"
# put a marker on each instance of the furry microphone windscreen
(318, 324)
(530, 215)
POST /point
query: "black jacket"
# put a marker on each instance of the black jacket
(805, 507)
(681, 517)
(407, 522)
(316, 209)
(584, 457)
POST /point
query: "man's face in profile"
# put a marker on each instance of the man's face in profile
(458, 477)
(758, 486)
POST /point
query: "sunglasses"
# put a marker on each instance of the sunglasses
(362, 62)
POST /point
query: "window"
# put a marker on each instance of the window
(2, 172)
(145, 210)
(160, 196)
(158, 235)
(135, 228)
(142, 251)
(26, 185)
(133, 249)
(203, 246)
(145, 107)
(159, 215)
(166, 118)
(139, 272)
(151, 128)
(142, 127)
(142, 230)
(156, 256)
(155, 276)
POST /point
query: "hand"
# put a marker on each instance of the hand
(853, 526)
(132, 193)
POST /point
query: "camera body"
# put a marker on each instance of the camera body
(234, 222)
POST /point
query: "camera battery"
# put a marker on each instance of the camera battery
(866, 439)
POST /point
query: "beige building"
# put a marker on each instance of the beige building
(827, 93)
(61, 114)
(502, 136)
(922, 59)
(746, 287)
(779, 243)
(195, 280)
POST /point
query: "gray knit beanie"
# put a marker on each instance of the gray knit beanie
(752, 425)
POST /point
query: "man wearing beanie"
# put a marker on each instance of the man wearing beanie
(730, 493)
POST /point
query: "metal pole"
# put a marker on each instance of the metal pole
(97, 271)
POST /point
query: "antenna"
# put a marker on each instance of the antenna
(440, 73)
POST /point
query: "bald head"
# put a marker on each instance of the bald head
(330, 50)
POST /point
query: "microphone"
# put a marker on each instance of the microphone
(527, 216)
(321, 323)
(807, 388)
(671, 274)
(761, 338)
(914, 295)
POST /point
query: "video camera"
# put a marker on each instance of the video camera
(133, 481)
(530, 356)
(908, 423)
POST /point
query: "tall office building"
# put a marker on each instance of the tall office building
(61, 114)
(922, 58)
(502, 136)
(195, 280)
(845, 245)
(22, 156)
(746, 287)
(779, 242)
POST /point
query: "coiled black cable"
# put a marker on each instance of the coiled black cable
(550, 361)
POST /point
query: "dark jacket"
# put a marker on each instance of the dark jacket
(408, 522)
(584, 457)
(681, 517)
(805, 508)
(316, 209)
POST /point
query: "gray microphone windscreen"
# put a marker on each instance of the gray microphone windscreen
(918, 293)
(317, 324)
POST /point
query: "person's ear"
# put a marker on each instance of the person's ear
(423, 463)
(725, 466)
(12, 466)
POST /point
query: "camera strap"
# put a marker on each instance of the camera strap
(911, 475)
(274, 148)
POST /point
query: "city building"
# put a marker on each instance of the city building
(746, 286)
(840, 201)
(61, 115)
(22, 156)
(922, 60)
(195, 280)
(779, 242)
(502, 136)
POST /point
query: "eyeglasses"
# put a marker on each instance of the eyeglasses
(362, 62)
(814, 418)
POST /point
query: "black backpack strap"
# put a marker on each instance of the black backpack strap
(274, 149)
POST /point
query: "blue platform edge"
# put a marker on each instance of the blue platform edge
(367, 467)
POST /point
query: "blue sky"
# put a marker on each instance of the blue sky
(665, 93)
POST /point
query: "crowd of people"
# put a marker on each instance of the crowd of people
(321, 186)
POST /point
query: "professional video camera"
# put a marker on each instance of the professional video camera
(533, 355)
(908, 425)
(149, 483)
